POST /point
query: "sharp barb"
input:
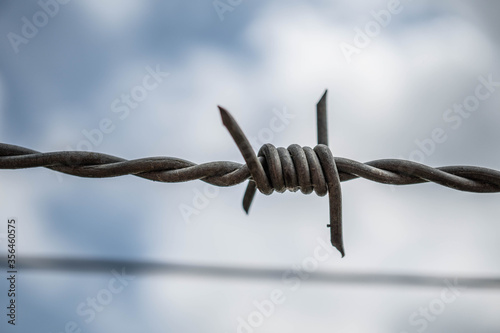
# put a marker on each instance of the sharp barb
(253, 163)
(243, 144)
(322, 120)
(335, 198)
(227, 119)
(334, 195)
(249, 195)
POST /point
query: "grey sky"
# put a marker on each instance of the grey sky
(263, 56)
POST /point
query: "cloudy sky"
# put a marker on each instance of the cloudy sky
(406, 79)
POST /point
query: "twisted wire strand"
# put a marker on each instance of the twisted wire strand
(225, 173)
(273, 169)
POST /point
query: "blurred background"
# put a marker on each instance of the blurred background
(132, 78)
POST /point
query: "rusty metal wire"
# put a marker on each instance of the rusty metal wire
(274, 169)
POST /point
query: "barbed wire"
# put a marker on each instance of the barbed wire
(272, 169)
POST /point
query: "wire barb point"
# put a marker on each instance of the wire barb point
(322, 120)
(225, 116)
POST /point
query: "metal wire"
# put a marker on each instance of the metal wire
(81, 265)
(274, 169)
(224, 173)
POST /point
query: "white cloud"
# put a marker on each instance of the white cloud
(115, 15)
(297, 56)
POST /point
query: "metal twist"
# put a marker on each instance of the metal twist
(274, 169)
(306, 169)
(294, 168)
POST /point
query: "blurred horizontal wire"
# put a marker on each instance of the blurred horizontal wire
(80, 265)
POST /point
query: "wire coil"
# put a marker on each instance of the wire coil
(294, 168)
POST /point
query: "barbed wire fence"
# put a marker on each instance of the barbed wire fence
(272, 169)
